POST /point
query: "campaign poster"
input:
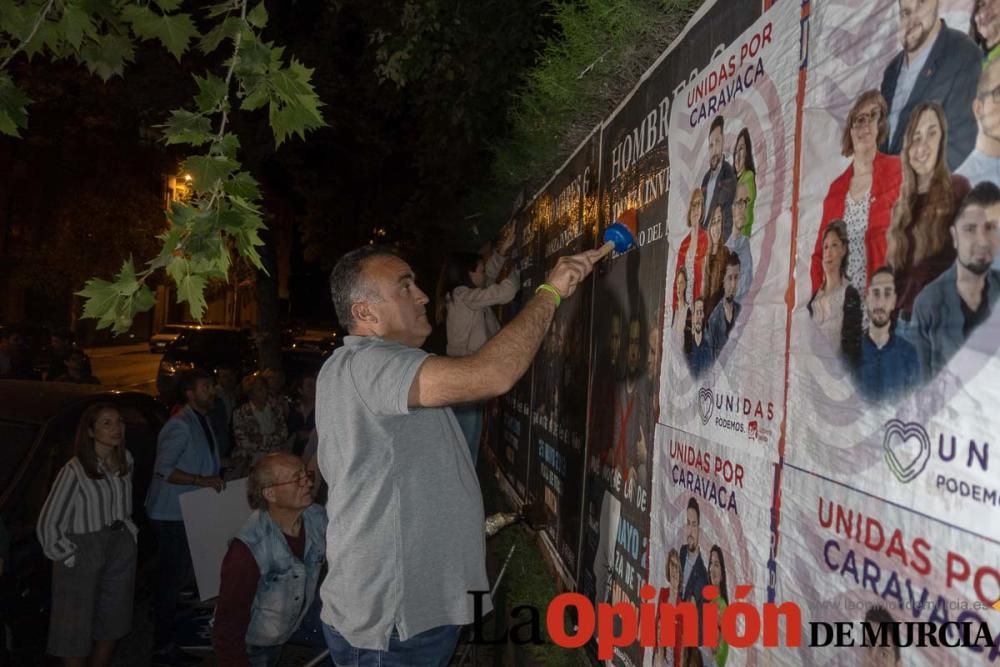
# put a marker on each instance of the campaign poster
(625, 355)
(566, 215)
(711, 525)
(731, 156)
(628, 318)
(894, 350)
(847, 556)
(515, 406)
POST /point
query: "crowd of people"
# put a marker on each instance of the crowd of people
(405, 542)
(221, 432)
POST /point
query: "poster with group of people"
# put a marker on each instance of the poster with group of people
(729, 225)
(893, 360)
(792, 376)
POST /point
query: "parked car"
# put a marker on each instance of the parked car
(158, 342)
(38, 422)
(35, 344)
(322, 340)
(206, 347)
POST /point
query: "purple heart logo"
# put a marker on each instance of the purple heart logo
(907, 449)
(706, 404)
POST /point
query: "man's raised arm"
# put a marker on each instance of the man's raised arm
(502, 361)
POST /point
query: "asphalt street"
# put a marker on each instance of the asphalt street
(126, 367)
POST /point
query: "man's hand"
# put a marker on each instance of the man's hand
(570, 271)
(506, 242)
(216, 483)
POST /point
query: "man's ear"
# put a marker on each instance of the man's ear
(363, 313)
(268, 495)
(977, 110)
(954, 235)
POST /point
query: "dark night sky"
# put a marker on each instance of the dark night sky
(401, 159)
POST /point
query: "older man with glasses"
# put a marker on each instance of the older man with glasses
(271, 572)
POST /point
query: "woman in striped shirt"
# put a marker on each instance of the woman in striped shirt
(86, 528)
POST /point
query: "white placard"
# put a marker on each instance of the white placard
(211, 520)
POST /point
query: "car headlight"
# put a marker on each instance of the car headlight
(168, 367)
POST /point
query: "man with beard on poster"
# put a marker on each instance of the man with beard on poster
(723, 318)
(698, 349)
(694, 574)
(937, 64)
(719, 182)
(889, 365)
(949, 309)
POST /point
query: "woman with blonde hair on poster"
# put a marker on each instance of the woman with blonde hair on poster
(920, 245)
(715, 261)
(864, 194)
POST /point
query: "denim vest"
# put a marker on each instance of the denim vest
(287, 585)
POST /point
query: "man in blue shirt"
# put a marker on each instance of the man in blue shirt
(953, 305)
(723, 318)
(187, 458)
(889, 365)
(699, 348)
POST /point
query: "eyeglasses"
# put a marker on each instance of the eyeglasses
(742, 203)
(991, 94)
(304, 478)
(863, 119)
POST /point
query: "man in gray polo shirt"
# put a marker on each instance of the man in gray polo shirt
(405, 542)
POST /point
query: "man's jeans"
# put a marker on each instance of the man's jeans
(173, 572)
(432, 648)
(470, 418)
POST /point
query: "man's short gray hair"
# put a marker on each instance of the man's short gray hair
(347, 284)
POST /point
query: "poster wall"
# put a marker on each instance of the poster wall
(566, 216)
(849, 556)
(798, 362)
(625, 355)
(731, 152)
(893, 358)
(711, 525)
(515, 409)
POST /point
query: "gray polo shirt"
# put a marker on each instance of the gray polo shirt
(406, 540)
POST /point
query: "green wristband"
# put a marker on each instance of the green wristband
(545, 287)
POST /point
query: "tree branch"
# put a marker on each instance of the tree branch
(38, 24)
(229, 78)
